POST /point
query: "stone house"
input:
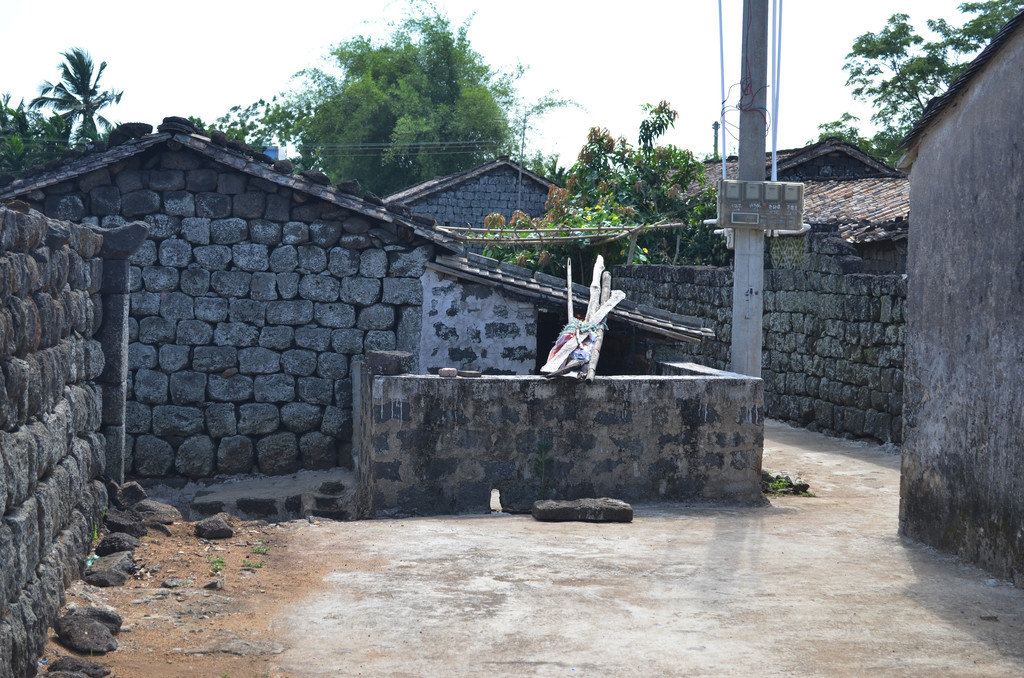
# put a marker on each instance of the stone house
(962, 486)
(464, 199)
(257, 290)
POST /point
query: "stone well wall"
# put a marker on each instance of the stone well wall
(434, 445)
(52, 452)
(833, 336)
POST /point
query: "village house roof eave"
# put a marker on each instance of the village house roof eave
(423, 227)
(551, 291)
(937, 106)
(437, 184)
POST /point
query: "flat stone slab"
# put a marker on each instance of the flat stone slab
(603, 510)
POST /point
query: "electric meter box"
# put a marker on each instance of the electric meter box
(768, 205)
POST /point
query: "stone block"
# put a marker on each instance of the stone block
(301, 417)
(315, 390)
(213, 205)
(138, 203)
(298, 362)
(194, 281)
(313, 338)
(247, 311)
(163, 225)
(195, 457)
(402, 291)
(318, 451)
(263, 287)
(299, 312)
(201, 180)
(167, 180)
(295, 233)
(231, 183)
(265, 232)
(335, 315)
(250, 257)
(283, 259)
(233, 389)
(321, 288)
(288, 285)
(248, 205)
(211, 309)
(312, 259)
(174, 420)
(235, 455)
(196, 230)
(380, 340)
(274, 388)
(360, 291)
(231, 283)
(176, 306)
(138, 417)
(324, 234)
(278, 454)
(141, 355)
(150, 387)
(174, 252)
(228, 231)
(409, 264)
(221, 420)
(179, 204)
(373, 264)
(160, 278)
(258, 418)
(332, 366)
(343, 263)
(277, 337)
(156, 330)
(376, 317)
(258, 360)
(105, 200)
(213, 257)
(187, 388)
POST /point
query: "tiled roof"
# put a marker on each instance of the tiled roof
(540, 287)
(867, 208)
(939, 103)
(863, 210)
(438, 184)
(421, 226)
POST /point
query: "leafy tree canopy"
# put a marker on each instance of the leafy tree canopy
(419, 105)
(77, 97)
(614, 183)
(28, 138)
(899, 72)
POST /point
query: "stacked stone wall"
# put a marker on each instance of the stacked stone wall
(248, 301)
(832, 356)
(52, 453)
(470, 201)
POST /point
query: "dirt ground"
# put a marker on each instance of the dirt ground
(190, 630)
(808, 586)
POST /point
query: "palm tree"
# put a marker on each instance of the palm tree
(77, 97)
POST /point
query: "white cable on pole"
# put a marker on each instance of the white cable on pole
(776, 48)
(721, 62)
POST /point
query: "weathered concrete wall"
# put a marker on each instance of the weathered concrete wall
(52, 453)
(963, 471)
(246, 304)
(475, 327)
(832, 355)
(472, 200)
(431, 445)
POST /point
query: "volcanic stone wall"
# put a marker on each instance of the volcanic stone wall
(247, 302)
(470, 201)
(832, 355)
(51, 412)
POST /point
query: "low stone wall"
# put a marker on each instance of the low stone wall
(52, 451)
(833, 336)
(433, 445)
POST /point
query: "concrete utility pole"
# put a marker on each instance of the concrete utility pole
(748, 267)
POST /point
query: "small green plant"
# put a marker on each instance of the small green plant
(216, 564)
(541, 461)
(248, 563)
(95, 532)
(261, 550)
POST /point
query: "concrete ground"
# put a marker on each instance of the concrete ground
(809, 586)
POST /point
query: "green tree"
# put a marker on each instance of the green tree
(419, 105)
(77, 97)
(899, 72)
(614, 184)
(28, 138)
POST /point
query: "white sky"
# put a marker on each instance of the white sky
(200, 58)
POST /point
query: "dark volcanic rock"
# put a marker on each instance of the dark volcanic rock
(76, 665)
(85, 635)
(603, 510)
(284, 166)
(175, 123)
(316, 176)
(214, 527)
(119, 521)
(219, 138)
(110, 619)
(373, 198)
(128, 494)
(117, 542)
(112, 570)
(351, 186)
(149, 510)
(127, 132)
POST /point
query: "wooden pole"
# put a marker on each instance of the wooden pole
(595, 353)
